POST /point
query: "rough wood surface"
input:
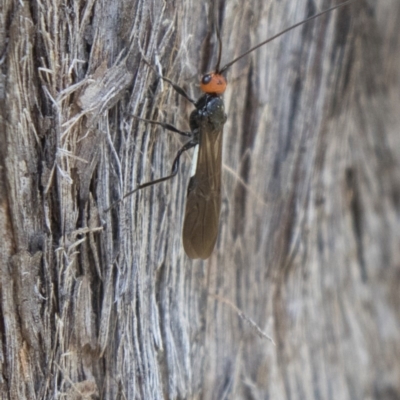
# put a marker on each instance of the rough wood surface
(107, 305)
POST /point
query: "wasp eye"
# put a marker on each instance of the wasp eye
(206, 79)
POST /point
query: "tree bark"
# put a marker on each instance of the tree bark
(98, 304)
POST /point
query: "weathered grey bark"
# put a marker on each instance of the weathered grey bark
(107, 304)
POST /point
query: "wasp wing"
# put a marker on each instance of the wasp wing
(203, 204)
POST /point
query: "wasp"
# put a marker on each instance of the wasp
(203, 204)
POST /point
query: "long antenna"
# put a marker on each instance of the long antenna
(226, 66)
(219, 40)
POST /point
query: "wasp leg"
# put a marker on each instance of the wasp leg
(176, 87)
(175, 168)
(169, 127)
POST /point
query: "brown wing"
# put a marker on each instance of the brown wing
(203, 204)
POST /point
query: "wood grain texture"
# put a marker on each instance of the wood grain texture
(107, 305)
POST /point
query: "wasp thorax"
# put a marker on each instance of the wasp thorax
(213, 83)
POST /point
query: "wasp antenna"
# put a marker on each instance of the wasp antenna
(226, 66)
(219, 48)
